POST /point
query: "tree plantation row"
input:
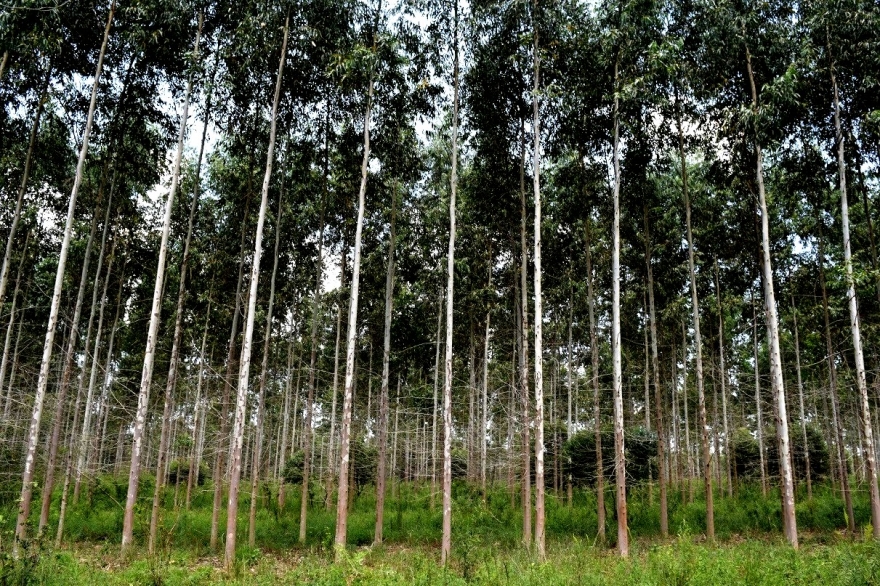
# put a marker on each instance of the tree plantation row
(299, 248)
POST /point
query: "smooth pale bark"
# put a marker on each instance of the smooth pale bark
(698, 348)
(434, 410)
(759, 410)
(198, 419)
(351, 337)
(540, 541)
(446, 542)
(836, 422)
(152, 335)
(3, 63)
(800, 384)
(485, 403)
(597, 413)
(85, 432)
(45, 363)
(855, 326)
(257, 454)
(171, 382)
(776, 380)
(245, 362)
(386, 372)
(330, 454)
(663, 468)
(617, 367)
(723, 378)
(307, 434)
(687, 422)
(524, 351)
(25, 174)
(66, 373)
(223, 432)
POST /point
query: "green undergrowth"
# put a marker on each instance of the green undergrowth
(486, 541)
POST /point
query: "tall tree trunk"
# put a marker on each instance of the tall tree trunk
(723, 378)
(330, 453)
(245, 362)
(800, 383)
(171, 382)
(308, 434)
(152, 333)
(698, 347)
(759, 408)
(539, 311)
(861, 380)
(85, 432)
(485, 404)
(351, 336)
(446, 544)
(836, 421)
(223, 432)
(198, 419)
(777, 383)
(261, 394)
(597, 412)
(434, 410)
(386, 371)
(663, 471)
(619, 458)
(524, 350)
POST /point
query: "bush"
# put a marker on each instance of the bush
(293, 468)
(179, 471)
(579, 456)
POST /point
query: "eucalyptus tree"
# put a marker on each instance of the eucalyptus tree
(43, 380)
(757, 75)
(244, 372)
(153, 329)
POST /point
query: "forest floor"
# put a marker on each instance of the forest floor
(486, 544)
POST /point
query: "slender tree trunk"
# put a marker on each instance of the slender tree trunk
(330, 454)
(524, 351)
(223, 431)
(759, 410)
(836, 422)
(597, 412)
(386, 368)
(800, 383)
(861, 380)
(261, 395)
(446, 544)
(485, 405)
(198, 420)
(698, 348)
(619, 458)
(434, 411)
(539, 313)
(777, 383)
(244, 372)
(658, 404)
(67, 367)
(308, 434)
(351, 337)
(723, 378)
(152, 333)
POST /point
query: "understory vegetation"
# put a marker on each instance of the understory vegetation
(487, 541)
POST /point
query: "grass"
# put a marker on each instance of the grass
(486, 542)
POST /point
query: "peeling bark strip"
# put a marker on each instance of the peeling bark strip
(244, 372)
(43, 380)
(152, 334)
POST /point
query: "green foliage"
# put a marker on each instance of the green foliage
(747, 458)
(293, 468)
(641, 456)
